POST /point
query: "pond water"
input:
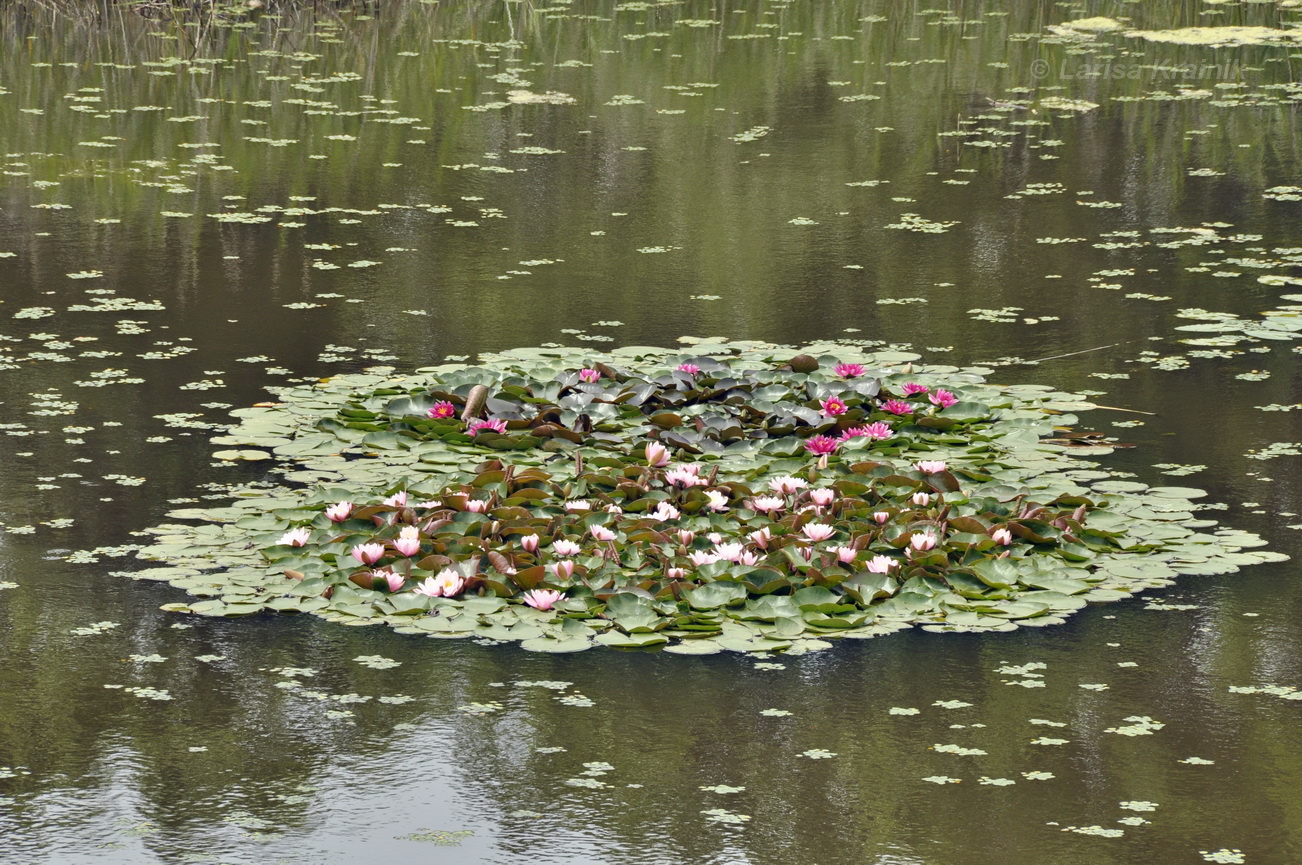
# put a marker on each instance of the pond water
(191, 212)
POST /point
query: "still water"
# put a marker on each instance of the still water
(191, 212)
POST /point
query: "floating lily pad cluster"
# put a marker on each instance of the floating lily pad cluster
(745, 496)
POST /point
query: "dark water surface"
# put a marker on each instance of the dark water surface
(700, 182)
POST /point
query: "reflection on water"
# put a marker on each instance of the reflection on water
(187, 217)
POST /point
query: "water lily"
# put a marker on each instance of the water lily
(747, 558)
(589, 375)
(761, 538)
(823, 496)
(913, 389)
(895, 406)
(449, 582)
(442, 410)
(845, 555)
(615, 509)
(717, 501)
(786, 485)
(822, 445)
(565, 547)
(701, 557)
(393, 580)
(429, 588)
(408, 541)
(542, 599)
(577, 505)
(767, 504)
(848, 370)
(428, 505)
(930, 467)
(529, 543)
(601, 533)
(833, 406)
(1002, 536)
(676, 573)
(714, 538)
(729, 551)
(922, 541)
(920, 499)
(881, 517)
(397, 500)
(476, 506)
(368, 554)
(689, 368)
(880, 565)
(686, 536)
(563, 569)
(657, 454)
(665, 511)
(943, 398)
(493, 425)
(685, 476)
(876, 430)
(339, 512)
(818, 531)
(296, 537)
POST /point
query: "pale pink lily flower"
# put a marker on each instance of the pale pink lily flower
(943, 398)
(676, 573)
(833, 406)
(1002, 536)
(432, 503)
(685, 476)
(601, 533)
(701, 557)
(931, 467)
(881, 517)
(786, 485)
(657, 454)
(823, 496)
(686, 536)
(394, 581)
(476, 506)
(529, 543)
(408, 541)
(767, 504)
(665, 511)
(575, 505)
(565, 547)
(368, 554)
(542, 599)
(845, 555)
(922, 541)
(913, 389)
(729, 551)
(449, 582)
(296, 537)
(848, 370)
(920, 499)
(714, 538)
(340, 512)
(717, 500)
(880, 565)
(747, 558)
(397, 500)
(614, 509)
(761, 538)
(429, 588)
(589, 375)
(563, 569)
(818, 531)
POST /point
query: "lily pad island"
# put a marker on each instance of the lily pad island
(741, 496)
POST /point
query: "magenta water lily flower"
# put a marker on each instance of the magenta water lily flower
(657, 454)
(529, 543)
(340, 512)
(296, 537)
(923, 541)
(931, 467)
(880, 565)
(818, 531)
(442, 410)
(565, 547)
(542, 599)
(876, 430)
(833, 406)
(689, 368)
(589, 375)
(822, 445)
(408, 541)
(895, 406)
(849, 370)
(943, 398)
(913, 389)
(1002, 536)
(495, 425)
(368, 554)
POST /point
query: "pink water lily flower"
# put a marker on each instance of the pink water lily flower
(394, 581)
(563, 569)
(368, 554)
(848, 370)
(428, 588)
(685, 476)
(729, 551)
(748, 558)
(676, 573)
(577, 505)
(876, 430)
(761, 538)
(818, 531)
(589, 375)
(880, 517)
(665, 511)
(895, 406)
(880, 565)
(833, 406)
(408, 541)
(931, 467)
(428, 505)
(767, 504)
(689, 368)
(397, 500)
(477, 506)
(657, 454)
(943, 398)
(565, 547)
(449, 582)
(701, 557)
(296, 537)
(920, 499)
(714, 538)
(340, 512)
(718, 502)
(913, 389)
(822, 445)
(442, 410)
(542, 599)
(601, 533)
(686, 536)
(823, 496)
(614, 509)
(922, 541)
(494, 425)
(529, 543)
(845, 555)
(1002, 536)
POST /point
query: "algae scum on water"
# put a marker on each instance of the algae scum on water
(744, 496)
